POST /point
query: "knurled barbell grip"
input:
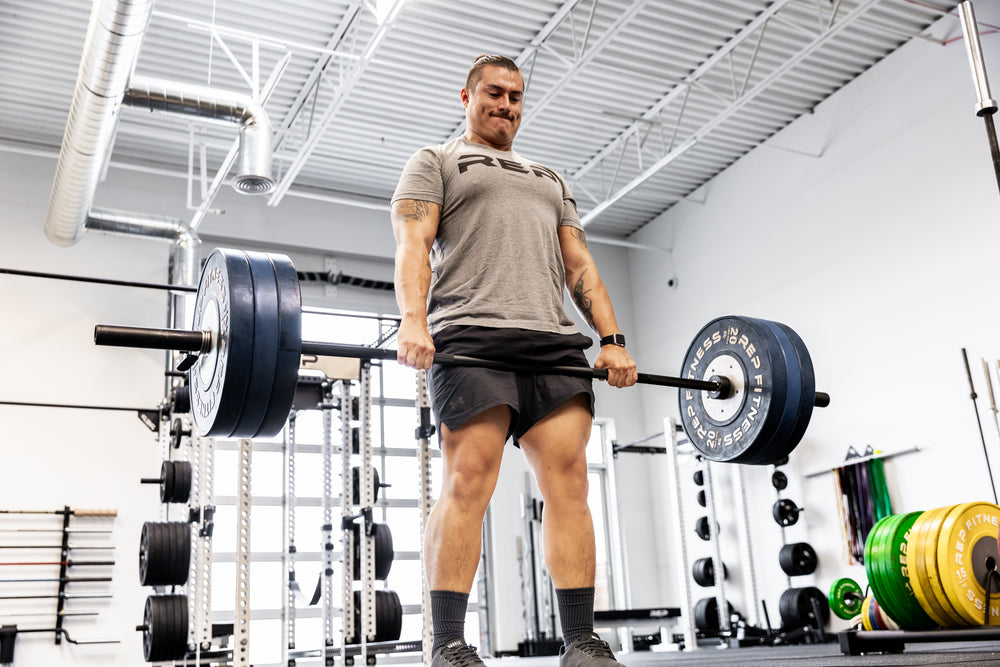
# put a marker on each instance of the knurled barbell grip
(361, 352)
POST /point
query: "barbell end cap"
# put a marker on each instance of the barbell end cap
(725, 389)
(822, 399)
(151, 480)
(142, 628)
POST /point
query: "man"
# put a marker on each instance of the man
(494, 240)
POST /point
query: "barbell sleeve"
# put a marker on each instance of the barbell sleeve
(152, 339)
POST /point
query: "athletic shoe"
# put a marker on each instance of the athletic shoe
(587, 651)
(456, 653)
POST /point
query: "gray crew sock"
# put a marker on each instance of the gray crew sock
(448, 610)
(576, 612)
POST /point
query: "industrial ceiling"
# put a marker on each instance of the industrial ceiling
(636, 102)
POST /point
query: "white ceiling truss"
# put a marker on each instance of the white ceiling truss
(637, 102)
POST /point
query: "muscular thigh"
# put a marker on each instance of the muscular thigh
(556, 446)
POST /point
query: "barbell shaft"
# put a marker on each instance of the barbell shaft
(196, 341)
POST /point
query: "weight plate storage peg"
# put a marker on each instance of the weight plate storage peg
(797, 559)
(785, 512)
(702, 500)
(164, 628)
(698, 477)
(164, 553)
(778, 480)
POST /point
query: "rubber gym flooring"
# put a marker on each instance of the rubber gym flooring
(822, 655)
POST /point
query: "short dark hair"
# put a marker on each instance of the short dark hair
(484, 60)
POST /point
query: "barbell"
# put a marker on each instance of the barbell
(747, 393)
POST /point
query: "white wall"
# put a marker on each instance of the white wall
(880, 253)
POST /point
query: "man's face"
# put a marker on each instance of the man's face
(493, 107)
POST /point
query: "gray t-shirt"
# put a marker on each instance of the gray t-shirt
(496, 260)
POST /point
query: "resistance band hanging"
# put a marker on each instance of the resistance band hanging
(862, 499)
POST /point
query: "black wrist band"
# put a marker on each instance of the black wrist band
(613, 339)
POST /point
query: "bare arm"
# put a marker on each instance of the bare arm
(593, 301)
(414, 224)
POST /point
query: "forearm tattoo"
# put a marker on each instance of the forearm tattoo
(584, 302)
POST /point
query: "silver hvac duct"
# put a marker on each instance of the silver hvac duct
(254, 168)
(185, 256)
(110, 50)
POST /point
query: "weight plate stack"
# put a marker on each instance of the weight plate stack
(740, 427)
(917, 571)
(797, 610)
(888, 559)
(845, 598)
(219, 378)
(384, 553)
(706, 615)
(919, 575)
(703, 572)
(356, 485)
(801, 397)
(797, 559)
(176, 484)
(289, 349)
(388, 616)
(265, 345)
(965, 551)
(164, 553)
(165, 628)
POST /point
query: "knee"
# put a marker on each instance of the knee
(470, 480)
(566, 483)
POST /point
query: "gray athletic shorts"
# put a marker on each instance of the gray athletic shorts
(460, 393)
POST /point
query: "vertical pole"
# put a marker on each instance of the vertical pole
(717, 565)
(60, 601)
(241, 629)
(424, 432)
(346, 542)
(368, 624)
(200, 577)
(678, 529)
(290, 550)
(621, 597)
(986, 106)
(749, 572)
